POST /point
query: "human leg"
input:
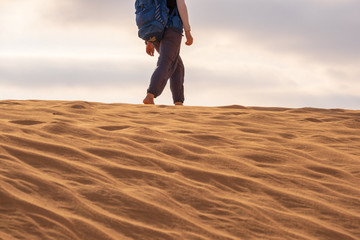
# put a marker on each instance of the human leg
(177, 83)
(168, 49)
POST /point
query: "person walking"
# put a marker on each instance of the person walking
(170, 65)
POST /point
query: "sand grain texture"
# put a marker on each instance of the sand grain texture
(80, 170)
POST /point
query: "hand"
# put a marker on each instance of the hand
(189, 38)
(150, 49)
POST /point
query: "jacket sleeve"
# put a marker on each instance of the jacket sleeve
(183, 14)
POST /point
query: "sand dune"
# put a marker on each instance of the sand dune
(79, 170)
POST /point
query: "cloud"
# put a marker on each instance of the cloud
(91, 13)
(260, 52)
(320, 31)
(34, 73)
(325, 31)
(121, 81)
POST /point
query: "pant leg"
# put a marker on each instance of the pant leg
(177, 82)
(169, 49)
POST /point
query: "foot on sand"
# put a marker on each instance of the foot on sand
(149, 99)
(179, 103)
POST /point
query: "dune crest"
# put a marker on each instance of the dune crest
(81, 170)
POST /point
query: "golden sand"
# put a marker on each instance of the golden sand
(83, 171)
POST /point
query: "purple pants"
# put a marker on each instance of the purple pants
(169, 65)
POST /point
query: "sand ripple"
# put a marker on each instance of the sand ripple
(79, 170)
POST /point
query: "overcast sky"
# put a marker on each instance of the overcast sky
(301, 53)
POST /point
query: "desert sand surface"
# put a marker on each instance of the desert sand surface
(93, 171)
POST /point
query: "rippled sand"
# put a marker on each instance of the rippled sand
(79, 170)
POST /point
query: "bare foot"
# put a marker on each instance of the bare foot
(149, 99)
(179, 103)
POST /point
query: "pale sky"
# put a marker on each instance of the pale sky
(278, 53)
